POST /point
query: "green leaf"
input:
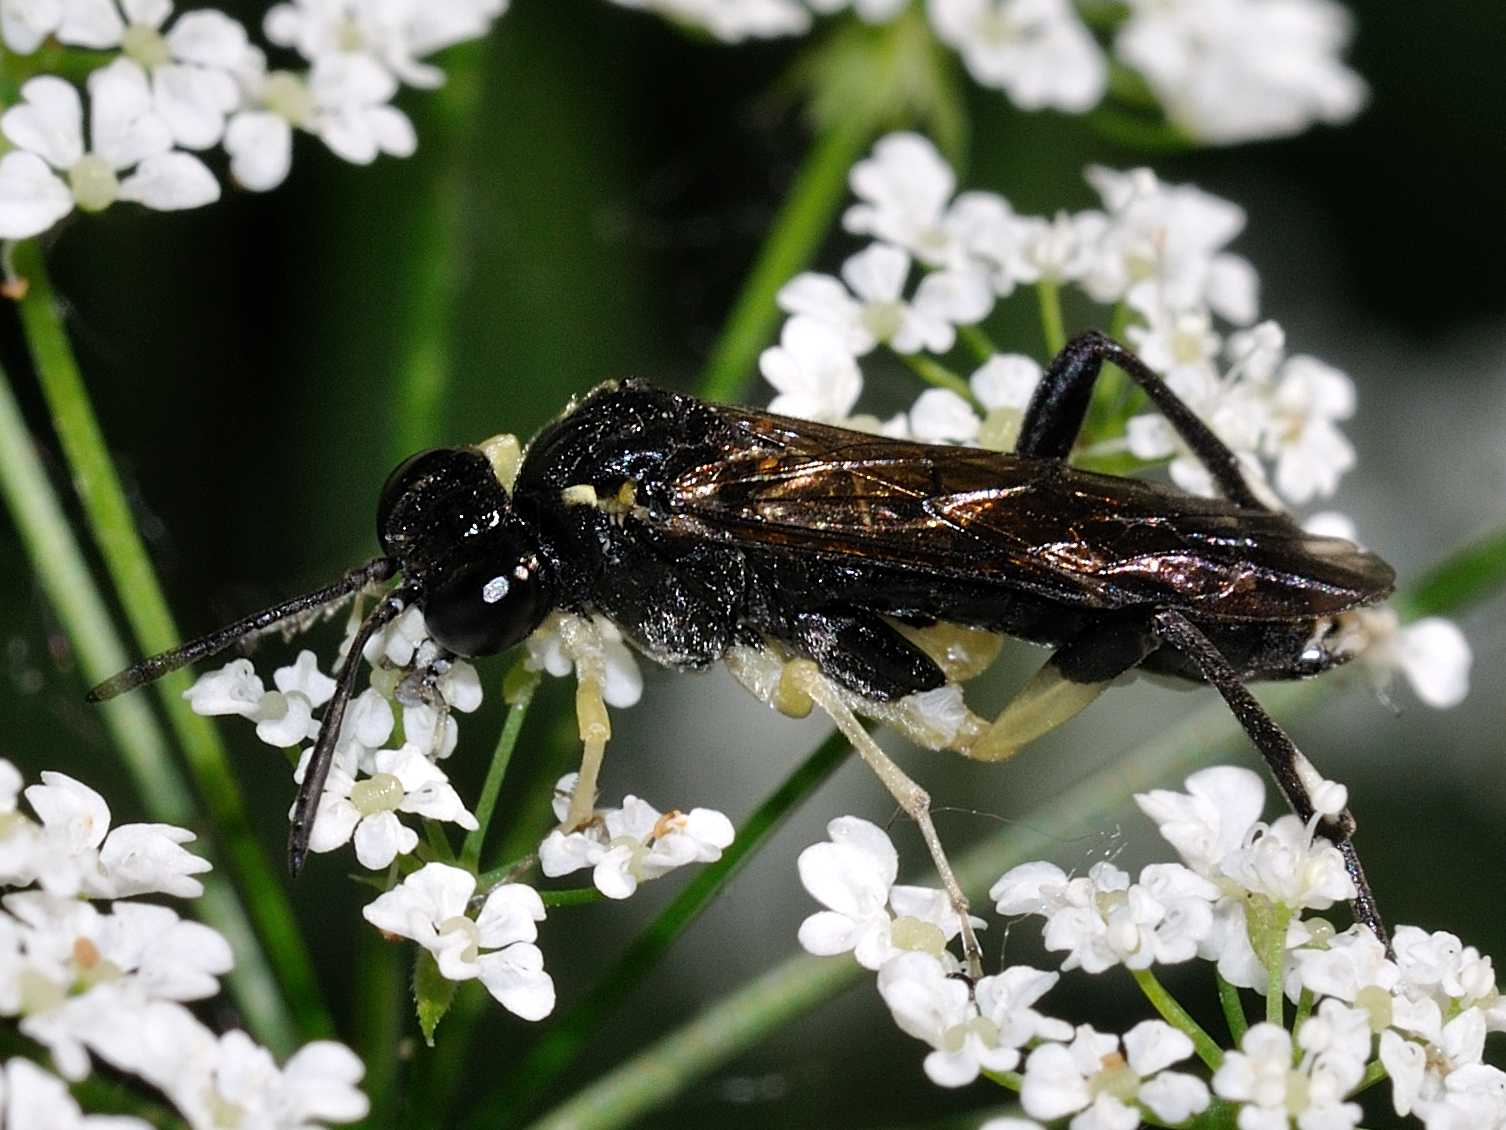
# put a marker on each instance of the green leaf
(433, 993)
(1470, 574)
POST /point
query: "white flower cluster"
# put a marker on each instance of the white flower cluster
(392, 737)
(394, 733)
(176, 86)
(1422, 1016)
(1224, 70)
(1157, 252)
(632, 844)
(110, 981)
(371, 781)
(430, 907)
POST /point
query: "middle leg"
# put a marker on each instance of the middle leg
(807, 677)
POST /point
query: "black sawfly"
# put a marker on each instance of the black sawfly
(815, 560)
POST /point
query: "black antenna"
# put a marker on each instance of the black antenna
(306, 807)
(154, 667)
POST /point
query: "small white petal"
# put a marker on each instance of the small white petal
(1436, 659)
(26, 24)
(516, 977)
(208, 38)
(49, 122)
(940, 415)
(171, 182)
(32, 197)
(381, 838)
(1006, 380)
(91, 23)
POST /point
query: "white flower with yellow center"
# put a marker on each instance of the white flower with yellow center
(629, 845)
(1104, 1088)
(192, 64)
(430, 907)
(129, 156)
(365, 809)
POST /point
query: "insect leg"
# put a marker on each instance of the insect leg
(582, 642)
(864, 654)
(916, 802)
(311, 791)
(1056, 412)
(1287, 763)
(1073, 677)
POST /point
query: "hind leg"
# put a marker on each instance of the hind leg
(1294, 774)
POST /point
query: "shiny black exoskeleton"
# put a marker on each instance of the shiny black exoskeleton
(695, 527)
(706, 526)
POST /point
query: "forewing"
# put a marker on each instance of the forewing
(1092, 540)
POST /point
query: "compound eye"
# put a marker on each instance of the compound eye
(483, 607)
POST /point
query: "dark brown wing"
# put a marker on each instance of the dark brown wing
(1097, 541)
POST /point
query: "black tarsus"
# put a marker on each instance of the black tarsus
(1060, 404)
(154, 667)
(1276, 746)
(306, 807)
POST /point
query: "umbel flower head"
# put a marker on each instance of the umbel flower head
(91, 974)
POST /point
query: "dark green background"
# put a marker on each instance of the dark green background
(612, 190)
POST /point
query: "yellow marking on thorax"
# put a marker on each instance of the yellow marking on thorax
(617, 506)
(505, 454)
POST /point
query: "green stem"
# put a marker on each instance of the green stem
(794, 239)
(1049, 293)
(1173, 1013)
(934, 373)
(380, 1013)
(504, 872)
(1477, 571)
(438, 842)
(1304, 1010)
(518, 695)
(58, 564)
(1373, 1075)
(572, 896)
(130, 569)
(1234, 1010)
(574, 1031)
(441, 249)
(1274, 960)
(977, 340)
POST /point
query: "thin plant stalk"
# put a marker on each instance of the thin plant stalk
(1053, 327)
(519, 695)
(937, 375)
(1234, 1010)
(59, 566)
(797, 234)
(135, 581)
(1173, 1013)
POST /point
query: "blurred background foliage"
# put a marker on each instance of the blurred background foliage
(609, 185)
